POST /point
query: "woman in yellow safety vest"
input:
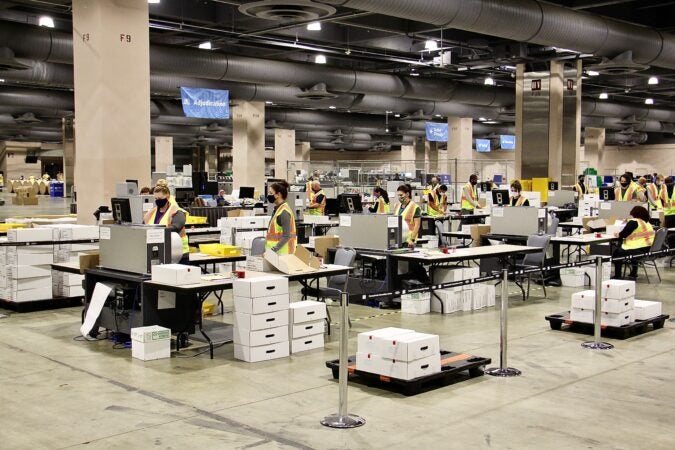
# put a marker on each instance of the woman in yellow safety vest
(636, 237)
(169, 215)
(628, 190)
(516, 198)
(381, 205)
(281, 232)
(411, 213)
(438, 201)
(654, 193)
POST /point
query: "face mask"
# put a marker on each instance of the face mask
(514, 193)
(624, 184)
(658, 182)
(474, 182)
(401, 198)
(161, 202)
(270, 198)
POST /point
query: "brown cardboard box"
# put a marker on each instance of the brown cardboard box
(288, 264)
(25, 196)
(234, 213)
(306, 257)
(88, 260)
(323, 243)
(477, 231)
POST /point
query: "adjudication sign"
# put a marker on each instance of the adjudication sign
(205, 103)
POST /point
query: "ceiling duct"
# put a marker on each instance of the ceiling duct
(316, 92)
(28, 117)
(630, 120)
(418, 116)
(620, 65)
(214, 128)
(8, 61)
(273, 124)
(287, 10)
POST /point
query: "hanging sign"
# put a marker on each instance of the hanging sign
(437, 132)
(507, 142)
(483, 145)
(205, 103)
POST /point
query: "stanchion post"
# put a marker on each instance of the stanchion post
(503, 370)
(343, 419)
(596, 344)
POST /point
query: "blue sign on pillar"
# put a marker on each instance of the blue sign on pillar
(507, 142)
(205, 103)
(483, 145)
(437, 132)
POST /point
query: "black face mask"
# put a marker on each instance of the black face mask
(161, 202)
(624, 184)
(474, 182)
(270, 198)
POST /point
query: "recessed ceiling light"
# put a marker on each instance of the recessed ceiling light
(603, 96)
(491, 122)
(489, 81)
(653, 80)
(314, 26)
(649, 101)
(438, 115)
(2, 80)
(592, 73)
(268, 102)
(397, 115)
(320, 59)
(46, 21)
(414, 74)
(482, 119)
(154, 1)
(431, 45)
(386, 130)
(332, 107)
(205, 45)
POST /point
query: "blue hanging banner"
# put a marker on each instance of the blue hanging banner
(507, 142)
(437, 132)
(205, 103)
(483, 145)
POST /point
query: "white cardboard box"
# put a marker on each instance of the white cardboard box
(67, 279)
(366, 340)
(470, 273)
(416, 303)
(20, 272)
(176, 274)
(402, 370)
(69, 291)
(450, 299)
(30, 235)
(260, 321)
(479, 296)
(29, 295)
(79, 232)
(608, 319)
(301, 330)
(467, 300)
(307, 311)
(262, 353)
(586, 300)
(490, 295)
(260, 337)
(618, 289)
(261, 305)
(25, 283)
(573, 277)
(646, 310)
(149, 343)
(448, 275)
(307, 343)
(409, 347)
(30, 259)
(260, 286)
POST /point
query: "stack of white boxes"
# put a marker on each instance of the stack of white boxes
(398, 353)
(261, 313)
(617, 304)
(26, 272)
(645, 310)
(306, 325)
(65, 284)
(230, 235)
(416, 303)
(468, 297)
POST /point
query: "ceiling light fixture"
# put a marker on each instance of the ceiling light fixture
(397, 115)
(489, 81)
(414, 74)
(205, 45)
(649, 101)
(491, 122)
(332, 107)
(46, 21)
(482, 119)
(154, 1)
(603, 96)
(320, 59)
(438, 115)
(653, 80)
(314, 26)
(592, 73)
(431, 45)
(268, 102)
(2, 80)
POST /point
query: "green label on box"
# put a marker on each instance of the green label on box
(161, 335)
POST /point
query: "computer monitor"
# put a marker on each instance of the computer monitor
(246, 192)
(350, 203)
(608, 180)
(500, 197)
(121, 209)
(553, 186)
(332, 207)
(606, 194)
(498, 179)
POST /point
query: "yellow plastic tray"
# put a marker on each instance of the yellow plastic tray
(196, 220)
(219, 250)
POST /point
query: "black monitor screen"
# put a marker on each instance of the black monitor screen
(350, 203)
(332, 207)
(606, 193)
(553, 186)
(246, 192)
(500, 197)
(121, 209)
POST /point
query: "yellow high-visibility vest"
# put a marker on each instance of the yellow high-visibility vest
(473, 193)
(642, 237)
(408, 215)
(320, 211)
(275, 232)
(165, 221)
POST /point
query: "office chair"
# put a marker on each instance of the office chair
(553, 227)
(658, 244)
(532, 260)
(337, 283)
(258, 246)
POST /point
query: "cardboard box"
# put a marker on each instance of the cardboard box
(29, 295)
(409, 347)
(21, 272)
(79, 233)
(307, 343)
(88, 260)
(366, 340)
(323, 243)
(25, 283)
(258, 264)
(477, 231)
(67, 279)
(260, 321)
(261, 305)
(589, 279)
(402, 370)
(176, 274)
(30, 259)
(69, 291)
(586, 300)
(450, 299)
(607, 319)
(479, 296)
(573, 276)
(30, 235)
(470, 273)
(306, 257)
(490, 295)
(618, 289)
(288, 264)
(307, 311)
(467, 300)
(645, 310)
(260, 337)
(448, 275)
(264, 286)
(301, 330)
(150, 343)
(261, 353)
(416, 303)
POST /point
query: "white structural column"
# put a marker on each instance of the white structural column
(248, 145)
(420, 153)
(112, 99)
(302, 151)
(163, 153)
(555, 120)
(432, 156)
(68, 128)
(284, 151)
(594, 144)
(460, 144)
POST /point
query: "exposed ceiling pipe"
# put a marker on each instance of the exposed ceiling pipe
(620, 138)
(533, 21)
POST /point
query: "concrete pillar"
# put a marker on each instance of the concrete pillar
(432, 156)
(420, 153)
(460, 146)
(248, 145)
(302, 151)
(555, 120)
(68, 128)
(112, 91)
(520, 88)
(163, 153)
(211, 161)
(594, 144)
(284, 151)
(571, 143)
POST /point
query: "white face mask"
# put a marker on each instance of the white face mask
(514, 193)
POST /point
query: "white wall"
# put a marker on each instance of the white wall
(639, 160)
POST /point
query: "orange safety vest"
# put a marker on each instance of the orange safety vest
(408, 215)
(642, 237)
(630, 192)
(275, 232)
(165, 221)
(441, 201)
(655, 193)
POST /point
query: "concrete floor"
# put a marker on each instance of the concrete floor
(46, 206)
(61, 393)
